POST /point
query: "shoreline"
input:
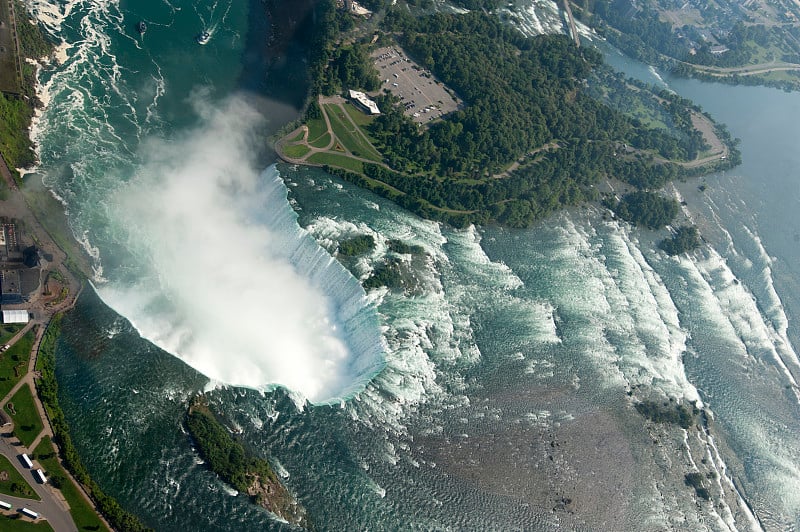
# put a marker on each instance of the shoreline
(42, 218)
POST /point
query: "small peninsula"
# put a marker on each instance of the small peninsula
(462, 119)
(246, 473)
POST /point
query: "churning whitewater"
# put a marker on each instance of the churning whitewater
(495, 384)
(229, 282)
(198, 248)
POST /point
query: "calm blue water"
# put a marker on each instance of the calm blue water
(508, 357)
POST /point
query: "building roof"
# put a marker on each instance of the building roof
(370, 106)
(15, 316)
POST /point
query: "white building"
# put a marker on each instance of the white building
(366, 105)
(15, 316)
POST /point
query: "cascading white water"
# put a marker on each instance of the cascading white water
(227, 280)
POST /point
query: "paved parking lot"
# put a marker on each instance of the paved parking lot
(425, 98)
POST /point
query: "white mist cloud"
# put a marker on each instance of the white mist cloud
(219, 290)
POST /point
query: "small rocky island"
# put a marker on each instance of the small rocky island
(245, 472)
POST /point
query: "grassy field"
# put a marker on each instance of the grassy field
(316, 128)
(16, 484)
(27, 424)
(360, 119)
(322, 141)
(8, 330)
(350, 135)
(16, 356)
(342, 161)
(82, 513)
(11, 523)
(15, 115)
(298, 137)
(296, 150)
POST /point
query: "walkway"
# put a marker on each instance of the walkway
(52, 507)
(747, 70)
(573, 30)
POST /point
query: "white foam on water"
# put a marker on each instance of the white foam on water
(535, 17)
(67, 91)
(656, 75)
(725, 316)
(230, 283)
(740, 309)
(632, 324)
(724, 476)
(771, 305)
(53, 14)
(430, 333)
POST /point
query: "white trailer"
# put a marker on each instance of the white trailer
(27, 461)
(4, 505)
(29, 513)
(40, 476)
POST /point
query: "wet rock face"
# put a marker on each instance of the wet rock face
(270, 494)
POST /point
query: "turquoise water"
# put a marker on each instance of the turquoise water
(160, 164)
(504, 363)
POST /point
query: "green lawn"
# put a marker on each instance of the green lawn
(350, 135)
(27, 424)
(82, 513)
(297, 137)
(13, 523)
(361, 120)
(296, 150)
(16, 356)
(316, 128)
(322, 141)
(16, 484)
(342, 161)
(8, 330)
(359, 117)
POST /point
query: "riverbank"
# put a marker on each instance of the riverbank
(65, 267)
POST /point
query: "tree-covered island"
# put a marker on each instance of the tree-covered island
(246, 473)
(537, 126)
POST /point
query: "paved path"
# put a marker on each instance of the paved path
(573, 30)
(323, 101)
(52, 507)
(747, 70)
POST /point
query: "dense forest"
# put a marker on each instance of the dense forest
(225, 456)
(527, 101)
(249, 474)
(646, 209)
(671, 412)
